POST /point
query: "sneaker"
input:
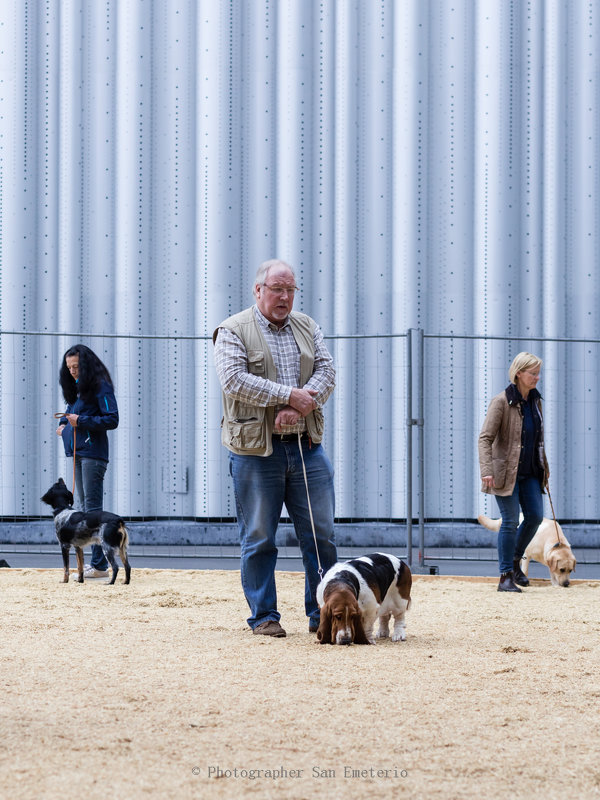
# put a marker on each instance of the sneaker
(92, 572)
(313, 625)
(270, 628)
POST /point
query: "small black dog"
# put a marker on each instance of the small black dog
(78, 529)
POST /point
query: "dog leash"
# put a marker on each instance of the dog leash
(60, 415)
(312, 522)
(558, 542)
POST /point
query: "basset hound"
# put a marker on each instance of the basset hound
(354, 593)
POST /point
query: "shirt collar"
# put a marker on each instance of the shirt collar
(514, 396)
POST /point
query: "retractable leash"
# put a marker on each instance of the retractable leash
(60, 415)
(558, 542)
(312, 522)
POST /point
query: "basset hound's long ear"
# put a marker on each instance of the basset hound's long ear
(360, 637)
(324, 631)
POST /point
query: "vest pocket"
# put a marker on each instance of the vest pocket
(256, 362)
(319, 421)
(248, 435)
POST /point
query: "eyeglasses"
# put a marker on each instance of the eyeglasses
(279, 290)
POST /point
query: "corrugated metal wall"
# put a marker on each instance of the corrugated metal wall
(429, 165)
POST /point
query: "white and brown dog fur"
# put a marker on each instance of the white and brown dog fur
(79, 529)
(549, 546)
(353, 594)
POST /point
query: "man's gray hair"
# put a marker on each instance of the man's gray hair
(263, 271)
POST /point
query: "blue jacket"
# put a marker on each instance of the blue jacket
(94, 420)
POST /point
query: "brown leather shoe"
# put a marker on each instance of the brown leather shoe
(507, 583)
(519, 576)
(270, 628)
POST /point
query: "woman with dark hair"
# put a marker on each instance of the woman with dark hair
(91, 411)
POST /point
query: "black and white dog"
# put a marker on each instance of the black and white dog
(78, 529)
(353, 594)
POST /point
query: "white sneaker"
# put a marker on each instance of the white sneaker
(92, 572)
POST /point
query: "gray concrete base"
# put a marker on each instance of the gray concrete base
(349, 534)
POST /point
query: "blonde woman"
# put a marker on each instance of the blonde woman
(513, 465)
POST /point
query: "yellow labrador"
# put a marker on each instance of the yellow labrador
(546, 548)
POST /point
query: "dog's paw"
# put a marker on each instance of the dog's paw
(399, 637)
(382, 634)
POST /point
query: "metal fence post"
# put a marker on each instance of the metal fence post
(416, 337)
(409, 467)
(421, 441)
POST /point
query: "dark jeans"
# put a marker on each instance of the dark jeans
(89, 480)
(512, 537)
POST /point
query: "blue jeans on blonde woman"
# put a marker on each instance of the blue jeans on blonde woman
(512, 537)
(89, 480)
(262, 485)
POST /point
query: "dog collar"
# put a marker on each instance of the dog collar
(57, 511)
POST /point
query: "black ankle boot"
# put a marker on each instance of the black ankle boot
(519, 576)
(507, 583)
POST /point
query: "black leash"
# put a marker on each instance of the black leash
(60, 415)
(558, 541)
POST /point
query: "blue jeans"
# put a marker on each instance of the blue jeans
(89, 480)
(262, 485)
(512, 537)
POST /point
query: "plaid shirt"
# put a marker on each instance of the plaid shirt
(232, 368)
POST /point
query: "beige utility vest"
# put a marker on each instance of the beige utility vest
(245, 429)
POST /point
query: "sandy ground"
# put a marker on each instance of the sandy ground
(158, 689)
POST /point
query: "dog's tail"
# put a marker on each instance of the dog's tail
(123, 550)
(125, 534)
(490, 524)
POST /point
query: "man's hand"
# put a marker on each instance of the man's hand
(286, 417)
(303, 400)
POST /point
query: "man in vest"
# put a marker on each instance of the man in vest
(276, 374)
